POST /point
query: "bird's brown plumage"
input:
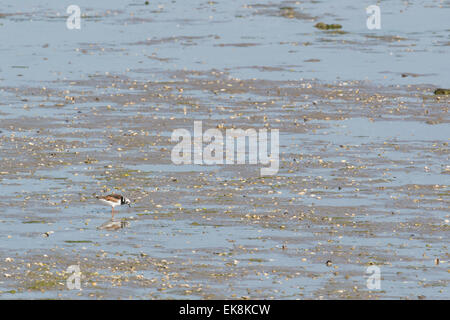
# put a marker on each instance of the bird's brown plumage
(112, 198)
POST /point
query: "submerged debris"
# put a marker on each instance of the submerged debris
(47, 234)
(113, 225)
(287, 12)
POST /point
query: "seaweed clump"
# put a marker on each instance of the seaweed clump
(325, 26)
(441, 91)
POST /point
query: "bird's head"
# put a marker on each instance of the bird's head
(126, 201)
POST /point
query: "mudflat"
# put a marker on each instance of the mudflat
(363, 157)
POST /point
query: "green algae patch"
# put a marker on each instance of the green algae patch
(257, 260)
(441, 91)
(35, 221)
(10, 292)
(325, 26)
(44, 285)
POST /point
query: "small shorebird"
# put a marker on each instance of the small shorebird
(114, 200)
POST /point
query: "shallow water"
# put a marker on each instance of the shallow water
(363, 176)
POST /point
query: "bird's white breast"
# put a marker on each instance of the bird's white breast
(110, 203)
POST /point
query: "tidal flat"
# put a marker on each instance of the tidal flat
(363, 175)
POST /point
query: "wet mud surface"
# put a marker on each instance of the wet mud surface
(363, 172)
